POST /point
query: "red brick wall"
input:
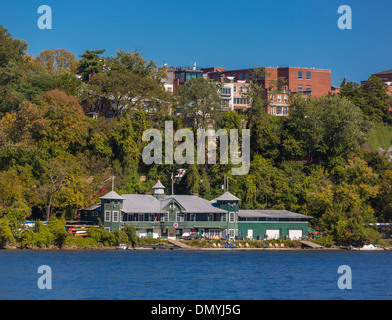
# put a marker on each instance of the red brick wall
(319, 83)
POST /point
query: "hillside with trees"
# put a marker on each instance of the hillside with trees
(54, 159)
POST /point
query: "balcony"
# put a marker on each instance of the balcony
(181, 224)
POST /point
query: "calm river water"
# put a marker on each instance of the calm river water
(195, 275)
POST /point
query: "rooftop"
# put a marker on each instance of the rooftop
(112, 195)
(271, 214)
(227, 196)
(142, 203)
(385, 72)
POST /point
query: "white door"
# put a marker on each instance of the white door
(250, 234)
(142, 233)
(272, 233)
(295, 234)
(156, 233)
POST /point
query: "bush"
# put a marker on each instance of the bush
(6, 236)
(130, 231)
(324, 241)
(81, 242)
(101, 236)
(57, 228)
(43, 236)
(120, 237)
(26, 238)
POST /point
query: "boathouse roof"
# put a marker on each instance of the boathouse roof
(271, 214)
(112, 195)
(227, 196)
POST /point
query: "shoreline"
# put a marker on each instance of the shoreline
(111, 248)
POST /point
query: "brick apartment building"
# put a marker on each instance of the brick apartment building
(307, 81)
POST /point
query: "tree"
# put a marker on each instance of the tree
(130, 231)
(52, 180)
(6, 236)
(13, 203)
(120, 237)
(123, 91)
(90, 64)
(383, 202)
(11, 49)
(327, 130)
(57, 228)
(134, 62)
(200, 103)
(57, 60)
(376, 100)
(372, 98)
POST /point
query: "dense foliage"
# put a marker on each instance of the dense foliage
(54, 159)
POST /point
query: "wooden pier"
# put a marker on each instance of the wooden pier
(311, 245)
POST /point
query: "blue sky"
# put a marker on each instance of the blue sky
(221, 33)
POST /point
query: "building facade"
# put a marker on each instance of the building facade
(279, 84)
(175, 216)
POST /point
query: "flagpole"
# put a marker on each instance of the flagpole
(172, 184)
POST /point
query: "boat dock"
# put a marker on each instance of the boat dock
(311, 245)
(180, 244)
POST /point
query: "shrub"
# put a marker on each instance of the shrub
(81, 241)
(43, 236)
(26, 238)
(324, 241)
(6, 236)
(120, 237)
(101, 236)
(130, 231)
(57, 228)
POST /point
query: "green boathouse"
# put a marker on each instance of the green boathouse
(174, 216)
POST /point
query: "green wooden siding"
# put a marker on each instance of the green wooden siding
(260, 228)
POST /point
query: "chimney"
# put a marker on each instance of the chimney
(147, 193)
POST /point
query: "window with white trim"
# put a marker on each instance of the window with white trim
(115, 216)
(107, 216)
(179, 216)
(232, 217)
(231, 233)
